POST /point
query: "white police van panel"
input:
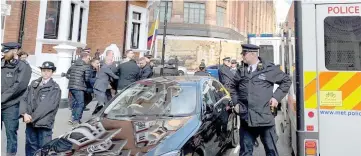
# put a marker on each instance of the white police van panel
(331, 73)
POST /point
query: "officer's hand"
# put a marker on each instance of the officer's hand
(273, 102)
(228, 107)
(27, 118)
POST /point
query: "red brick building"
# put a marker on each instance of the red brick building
(41, 25)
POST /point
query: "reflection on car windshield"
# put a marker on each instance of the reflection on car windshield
(154, 98)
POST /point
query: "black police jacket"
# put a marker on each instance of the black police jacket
(15, 77)
(225, 76)
(253, 91)
(41, 103)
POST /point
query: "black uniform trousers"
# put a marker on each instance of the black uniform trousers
(248, 136)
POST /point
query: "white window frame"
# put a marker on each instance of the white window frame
(220, 20)
(162, 12)
(76, 20)
(63, 31)
(143, 32)
(199, 14)
(64, 25)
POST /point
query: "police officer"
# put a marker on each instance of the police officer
(252, 91)
(38, 109)
(234, 66)
(202, 71)
(15, 77)
(225, 74)
(170, 69)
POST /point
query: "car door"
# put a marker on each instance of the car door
(214, 117)
(208, 130)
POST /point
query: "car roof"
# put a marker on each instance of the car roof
(180, 79)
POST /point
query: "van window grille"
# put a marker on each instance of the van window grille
(342, 43)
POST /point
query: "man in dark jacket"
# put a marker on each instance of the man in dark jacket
(38, 109)
(15, 77)
(170, 69)
(225, 74)
(252, 92)
(145, 69)
(202, 71)
(128, 72)
(95, 65)
(79, 76)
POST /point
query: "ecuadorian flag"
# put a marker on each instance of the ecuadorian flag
(152, 34)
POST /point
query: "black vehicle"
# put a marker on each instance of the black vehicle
(164, 116)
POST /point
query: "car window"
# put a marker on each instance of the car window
(208, 95)
(218, 90)
(154, 99)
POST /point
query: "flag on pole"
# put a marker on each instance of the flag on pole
(152, 34)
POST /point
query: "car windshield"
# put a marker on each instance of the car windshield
(148, 97)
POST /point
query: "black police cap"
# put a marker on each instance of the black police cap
(250, 48)
(48, 65)
(6, 47)
(227, 59)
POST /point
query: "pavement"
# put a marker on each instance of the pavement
(61, 126)
(282, 146)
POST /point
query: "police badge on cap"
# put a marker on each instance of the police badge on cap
(48, 65)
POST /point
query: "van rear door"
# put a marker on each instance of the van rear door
(338, 34)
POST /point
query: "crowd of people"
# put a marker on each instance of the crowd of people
(101, 79)
(37, 104)
(250, 84)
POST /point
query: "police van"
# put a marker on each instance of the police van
(323, 111)
(269, 46)
(272, 47)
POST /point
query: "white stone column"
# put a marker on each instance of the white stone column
(40, 30)
(64, 24)
(84, 29)
(76, 23)
(65, 53)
